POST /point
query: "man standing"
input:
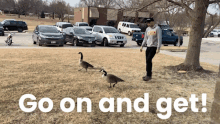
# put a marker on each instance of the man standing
(153, 39)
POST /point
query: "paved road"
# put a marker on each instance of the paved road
(24, 40)
(210, 49)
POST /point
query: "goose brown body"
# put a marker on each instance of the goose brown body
(84, 64)
(110, 78)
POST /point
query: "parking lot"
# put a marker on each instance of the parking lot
(25, 40)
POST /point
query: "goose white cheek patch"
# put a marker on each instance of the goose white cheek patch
(164, 105)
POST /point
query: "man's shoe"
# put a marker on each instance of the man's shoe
(147, 78)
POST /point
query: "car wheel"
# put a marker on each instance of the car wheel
(181, 42)
(105, 42)
(139, 43)
(10, 42)
(176, 43)
(39, 44)
(119, 30)
(20, 30)
(129, 33)
(75, 42)
(122, 45)
(33, 41)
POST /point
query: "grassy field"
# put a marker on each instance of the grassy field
(32, 22)
(54, 73)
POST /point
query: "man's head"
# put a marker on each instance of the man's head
(150, 22)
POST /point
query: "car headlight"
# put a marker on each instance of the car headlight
(79, 37)
(111, 37)
(42, 36)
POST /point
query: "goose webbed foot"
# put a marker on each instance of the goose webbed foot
(114, 85)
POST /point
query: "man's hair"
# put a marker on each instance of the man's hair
(149, 20)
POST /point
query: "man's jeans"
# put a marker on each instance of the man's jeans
(150, 52)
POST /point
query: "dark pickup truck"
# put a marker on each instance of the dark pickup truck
(168, 37)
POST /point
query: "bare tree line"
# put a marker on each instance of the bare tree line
(23, 7)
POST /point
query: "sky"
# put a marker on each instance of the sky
(74, 2)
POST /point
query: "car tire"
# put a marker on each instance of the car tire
(129, 33)
(181, 42)
(10, 42)
(105, 42)
(176, 43)
(39, 44)
(33, 41)
(139, 43)
(20, 30)
(122, 45)
(75, 42)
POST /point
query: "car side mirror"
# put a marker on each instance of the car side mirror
(100, 31)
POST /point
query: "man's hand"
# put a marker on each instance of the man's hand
(141, 49)
(158, 50)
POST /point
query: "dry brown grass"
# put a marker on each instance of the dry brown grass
(54, 73)
(32, 22)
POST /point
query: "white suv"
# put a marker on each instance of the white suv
(128, 27)
(216, 32)
(107, 35)
(61, 26)
(84, 25)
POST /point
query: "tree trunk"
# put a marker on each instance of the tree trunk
(196, 33)
(179, 40)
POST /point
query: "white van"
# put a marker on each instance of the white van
(128, 27)
(63, 25)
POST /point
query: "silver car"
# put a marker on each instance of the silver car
(107, 35)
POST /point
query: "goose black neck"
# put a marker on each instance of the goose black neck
(81, 56)
(105, 73)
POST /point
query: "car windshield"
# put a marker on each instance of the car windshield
(83, 24)
(46, 29)
(133, 26)
(110, 30)
(80, 31)
(88, 29)
(67, 25)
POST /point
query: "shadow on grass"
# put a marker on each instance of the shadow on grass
(190, 73)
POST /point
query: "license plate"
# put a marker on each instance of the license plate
(53, 41)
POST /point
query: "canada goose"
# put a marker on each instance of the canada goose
(84, 64)
(110, 78)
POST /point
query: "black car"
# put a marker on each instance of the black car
(19, 26)
(79, 36)
(47, 35)
(2, 33)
